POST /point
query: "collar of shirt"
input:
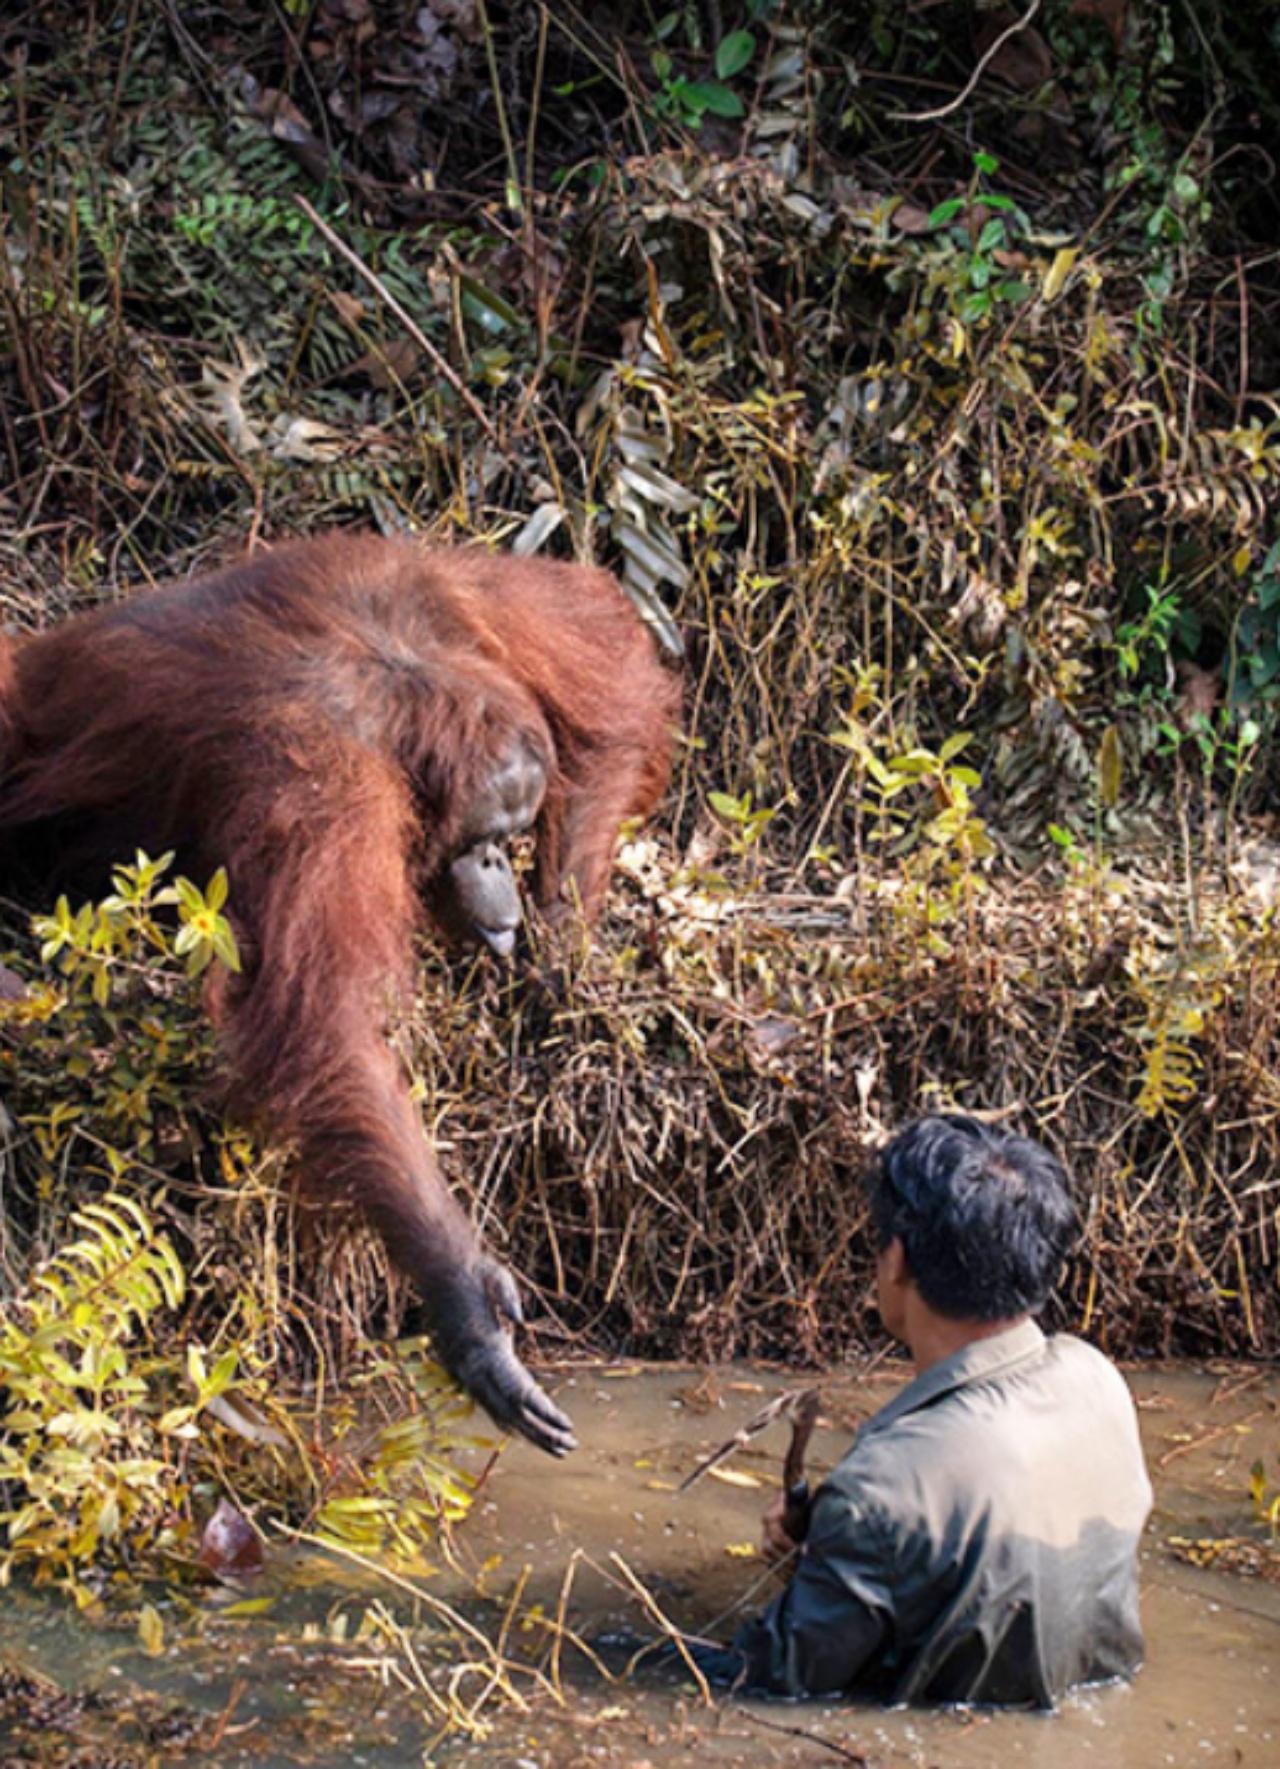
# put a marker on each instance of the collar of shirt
(978, 1362)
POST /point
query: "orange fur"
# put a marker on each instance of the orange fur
(317, 719)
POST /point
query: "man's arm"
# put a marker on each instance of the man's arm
(829, 1626)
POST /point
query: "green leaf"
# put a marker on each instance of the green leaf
(914, 762)
(177, 1421)
(224, 945)
(734, 54)
(1268, 592)
(1185, 188)
(216, 895)
(953, 745)
(489, 310)
(223, 1373)
(705, 95)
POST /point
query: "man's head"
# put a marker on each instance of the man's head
(984, 1218)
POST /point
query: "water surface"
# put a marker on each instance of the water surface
(572, 1543)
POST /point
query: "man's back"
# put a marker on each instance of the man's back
(978, 1543)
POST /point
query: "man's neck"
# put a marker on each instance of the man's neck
(931, 1337)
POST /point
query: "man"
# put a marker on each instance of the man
(979, 1541)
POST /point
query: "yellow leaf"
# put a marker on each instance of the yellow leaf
(249, 1606)
(1258, 1483)
(1058, 271)
(734, 1477)
(740, 1550)
(151, 1631)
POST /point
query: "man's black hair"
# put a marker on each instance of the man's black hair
(985, 1217)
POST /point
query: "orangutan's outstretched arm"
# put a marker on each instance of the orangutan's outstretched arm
(323, 885)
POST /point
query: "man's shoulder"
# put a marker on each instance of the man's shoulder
(1067, 1345)
(1066, 1372)
(1076, 1361)
(1050, 1424)
(881, 1473)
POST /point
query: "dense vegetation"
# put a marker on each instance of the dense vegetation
(919, 373)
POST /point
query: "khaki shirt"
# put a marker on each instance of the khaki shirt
(979, 1541)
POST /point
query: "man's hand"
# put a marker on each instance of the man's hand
(776, 1543)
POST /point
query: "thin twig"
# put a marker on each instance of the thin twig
(954, 104)
(828, 1744)
(1208, 1437)
(439, 362)
(782, 1406)
(668, 1627)
(224, 1718)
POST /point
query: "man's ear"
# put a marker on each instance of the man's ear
(897, 1273)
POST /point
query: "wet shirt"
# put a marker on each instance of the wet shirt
(977, 1544)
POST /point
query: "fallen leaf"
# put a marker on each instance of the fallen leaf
(151, 1631)
(734, 1477)
(229, 1547)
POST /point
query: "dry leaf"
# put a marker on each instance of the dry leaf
(229, 1547)
(734, 1477)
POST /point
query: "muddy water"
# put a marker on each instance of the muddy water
(1210, 1692)
(289, 1684)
